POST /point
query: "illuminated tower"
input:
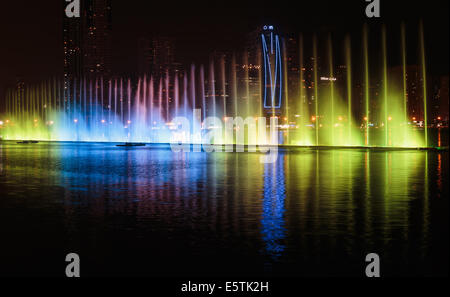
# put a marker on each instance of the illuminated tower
(272, 70)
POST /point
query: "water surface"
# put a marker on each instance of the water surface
(148, 211)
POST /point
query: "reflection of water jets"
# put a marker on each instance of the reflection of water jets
(27, 141)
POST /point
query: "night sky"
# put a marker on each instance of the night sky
(31, 31)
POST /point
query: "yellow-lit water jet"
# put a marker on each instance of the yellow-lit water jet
(316, 90)
(366, 84)
(424, 80)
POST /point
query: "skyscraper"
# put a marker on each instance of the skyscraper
(272, 70)
(156, 55)
(88, 40)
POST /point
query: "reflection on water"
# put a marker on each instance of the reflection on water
(156, 212)
(272, 222)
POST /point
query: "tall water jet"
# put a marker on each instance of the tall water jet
(259, 91)
(223, 85)
(300, 106)
(212, 88)
(385, 87)
(137, 114)
(121, 100)
(167, 88)
(331, 73)
(101, 97)
(143, 112)
(96, 102)
(202, 90)
(160, 99)
(424, 80)
(405, 91)
(192, 86)
(109, 101)
(185, 95)
(315, 118)
(129, 101)
(234, 85)
(247, 86)
(176, 95)
(286, 91)
(115, 96)
(367, 116)
(348, 63)
(151, 90)
(74, 101)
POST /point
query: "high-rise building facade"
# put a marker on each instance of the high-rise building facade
(88, 40)
(156, 55)
(272, 68)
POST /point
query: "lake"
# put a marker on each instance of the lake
(147, 211)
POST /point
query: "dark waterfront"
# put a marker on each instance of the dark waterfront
(151, 212)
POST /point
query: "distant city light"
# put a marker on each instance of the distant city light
(1, 123)
(75, 121)
(328, 78)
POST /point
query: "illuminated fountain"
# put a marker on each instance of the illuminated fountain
(144, 109)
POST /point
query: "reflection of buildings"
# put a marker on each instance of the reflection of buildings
(87, 40)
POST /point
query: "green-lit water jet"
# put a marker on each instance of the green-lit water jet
(424, 80)
(348, 62)
(315, 118)
(385, 88)
(331, 66)
(366, 118)
(405, 91)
